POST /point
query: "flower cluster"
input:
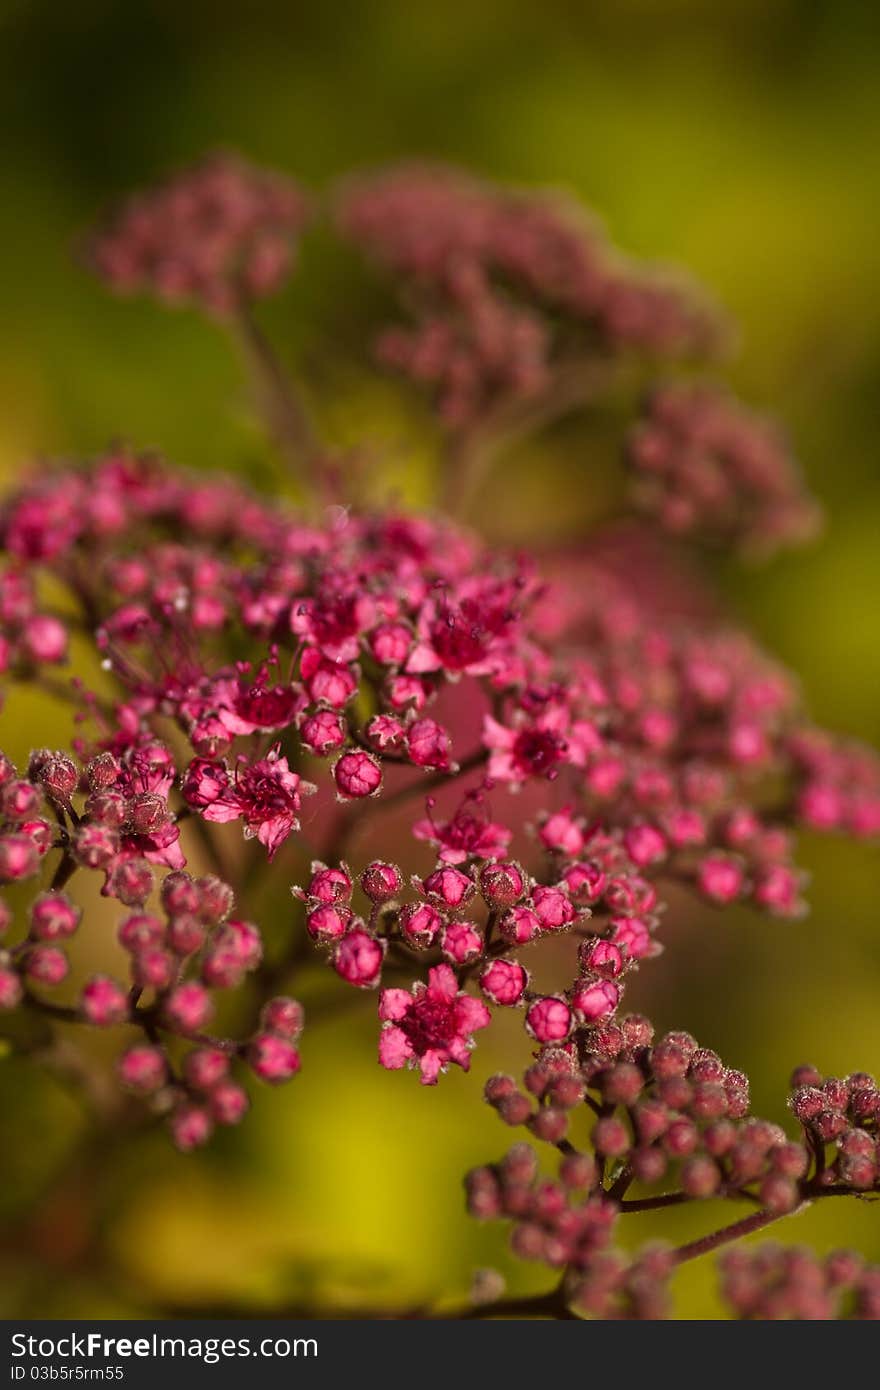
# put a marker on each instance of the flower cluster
(218, 234)
(704, 464)
(268, 665)
(175, 957)
(505, 289)
(29, 636)
(484, 784)
(843, 1113)
(669, 1113)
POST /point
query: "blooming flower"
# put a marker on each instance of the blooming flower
(430, 1026)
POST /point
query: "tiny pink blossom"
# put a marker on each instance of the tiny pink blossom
(430, 1026)
(323, 732)
(19, 858)
(644, 844)
(228, 1102)
(46, 965)
(283, 1015)
(633, 936)
(190, 1127)
(330, 885)
(54, 917)
(585, 883)
(503, 883)
(469, 834)
(601, 957)
(204, 1067)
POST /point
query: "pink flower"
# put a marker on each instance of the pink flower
(266, 794)
(430, 1026)
(519, 925)
(323, 732)
(530, 749)
(190, 1127)
(188, 1007)
(469, 834)
(644, 844)
(327, 682)
(329, 885)
(328, 922)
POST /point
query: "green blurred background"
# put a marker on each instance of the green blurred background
(738, 137)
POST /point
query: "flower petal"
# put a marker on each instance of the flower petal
(393, 1004)
(395, 1049)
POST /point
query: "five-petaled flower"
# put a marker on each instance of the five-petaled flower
(430, 1026)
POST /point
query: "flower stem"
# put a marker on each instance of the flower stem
(285, 413)
(756, 1222)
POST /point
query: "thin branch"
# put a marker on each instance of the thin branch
(756, 1222)
(472, 456)
(285, 413)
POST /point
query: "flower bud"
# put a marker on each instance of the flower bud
(358, 959)
(273, 1058)
(103, 1002)
(54, 917)
(142, 1069)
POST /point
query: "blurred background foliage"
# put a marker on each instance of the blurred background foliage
(738, 137)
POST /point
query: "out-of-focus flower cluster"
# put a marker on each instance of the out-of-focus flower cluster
(774, 1282)
(704, 464)
(218, 234)
(505, 289)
